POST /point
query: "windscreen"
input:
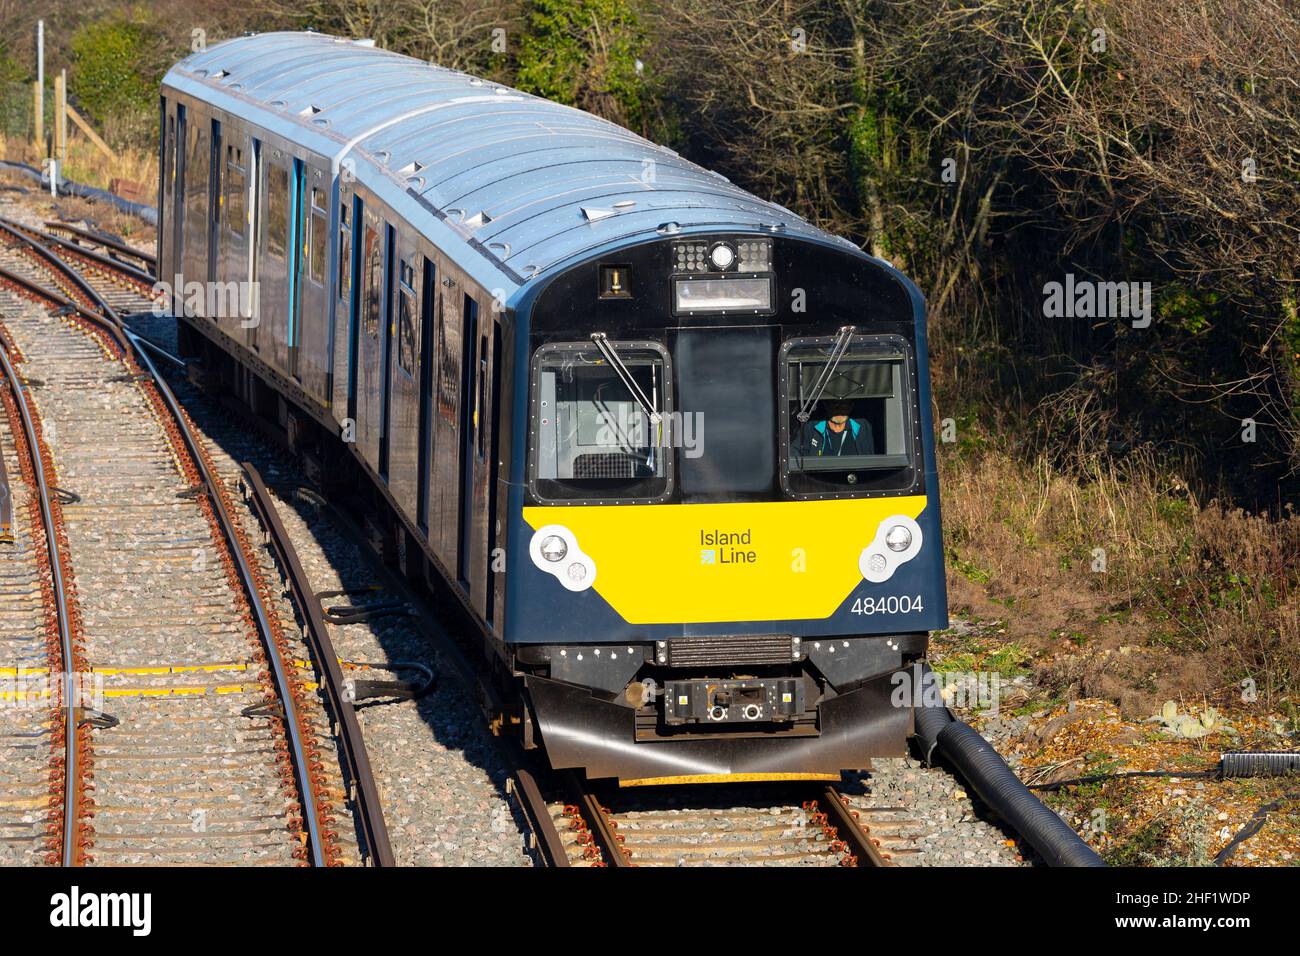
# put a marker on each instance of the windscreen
(594, 438)
(847, 417)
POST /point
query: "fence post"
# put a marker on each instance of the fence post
(40, 88)
(39, 108)
(61, 119)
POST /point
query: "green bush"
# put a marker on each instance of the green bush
(117, 65)
(584, 53)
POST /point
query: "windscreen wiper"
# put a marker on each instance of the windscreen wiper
(616, 363)
(837, 352)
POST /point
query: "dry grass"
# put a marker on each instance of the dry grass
(1137, 591)
(86, 164)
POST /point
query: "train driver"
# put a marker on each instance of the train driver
(836, 433)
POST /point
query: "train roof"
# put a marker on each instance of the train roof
(530, 184)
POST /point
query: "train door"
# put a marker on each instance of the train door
(480, 392)
(403, 398)
(428, 297)
(274, 256)
(369, 363)
(256, 226)
(386, 348)
(469, 426)
(167, 202)
(490, 440)
(214, 202)
(294, 267)
(313, 332)
(234, 269)
(444, 479)
(178, 204)
(164, 171)
(345, 307)
(198, 187)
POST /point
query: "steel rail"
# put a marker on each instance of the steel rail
(539, 818)
(71, 767)
(597, 820)
(135, 346)
(149, 262)
(370, 811)
(6, 505)
(849, 829)
(533, 803)
(126, 270)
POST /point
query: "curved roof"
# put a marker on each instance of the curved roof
(526, 182)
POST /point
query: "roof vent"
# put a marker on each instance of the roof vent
(478, 220)
(310, 110)
(411, 168)
(594, 215)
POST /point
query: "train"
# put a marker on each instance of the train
(668, 444)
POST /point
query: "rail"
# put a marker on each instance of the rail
(104, 316)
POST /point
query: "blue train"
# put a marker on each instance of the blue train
(669, 443)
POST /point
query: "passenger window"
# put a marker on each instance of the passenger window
(374, 280)
(196, 181)
(236, 190)
(277, 211)
(592, 435)
(316, 236)
(407, 344)
(345, 247)
(846, 410)
(481, 410)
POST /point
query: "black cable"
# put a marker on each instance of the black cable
(1057, 785)
(1254, 825)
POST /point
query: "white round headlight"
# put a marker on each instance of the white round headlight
(876, 563)
(898, 538)
(553, 548)
(722, 256)
(577, 572)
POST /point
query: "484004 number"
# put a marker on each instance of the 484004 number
(891, 604)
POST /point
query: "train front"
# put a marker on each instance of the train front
(725, 551)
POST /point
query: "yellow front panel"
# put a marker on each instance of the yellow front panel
(794, 559)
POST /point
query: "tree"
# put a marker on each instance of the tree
(586, 53)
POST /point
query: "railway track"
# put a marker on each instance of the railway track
(213, 734)
(717, 825)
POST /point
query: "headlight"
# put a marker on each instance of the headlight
(553, 548)
(722, 256)
(898, 538)
(577, 572)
